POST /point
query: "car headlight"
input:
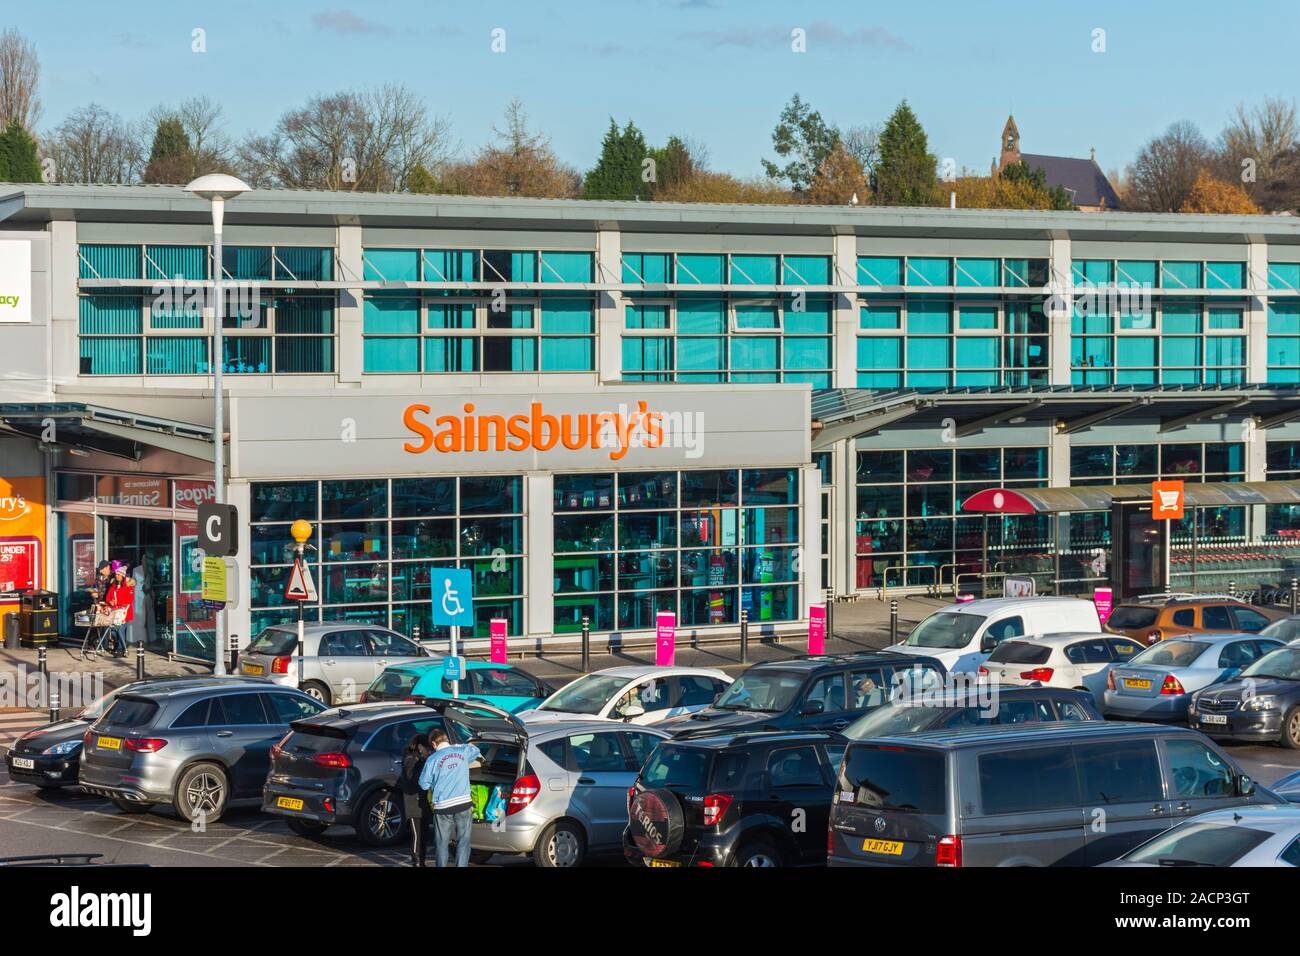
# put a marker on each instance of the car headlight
(1262, 702)
(60, 750)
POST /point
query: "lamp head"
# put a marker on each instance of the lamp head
(217, 186)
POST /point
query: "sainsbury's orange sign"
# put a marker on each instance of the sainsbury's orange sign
(538, 430)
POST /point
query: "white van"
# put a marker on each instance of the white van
(961, 636)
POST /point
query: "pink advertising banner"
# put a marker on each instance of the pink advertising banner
(1103, 601)
(665, 639)
(497, 631)
(817, 629)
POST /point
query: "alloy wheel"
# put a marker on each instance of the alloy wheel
(384, 819)
(205, 793)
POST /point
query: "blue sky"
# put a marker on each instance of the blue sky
(718, 71)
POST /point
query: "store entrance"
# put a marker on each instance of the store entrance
(145, 544)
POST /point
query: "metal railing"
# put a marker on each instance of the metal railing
(884, 580)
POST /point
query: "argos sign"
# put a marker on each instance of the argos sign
(15, 281)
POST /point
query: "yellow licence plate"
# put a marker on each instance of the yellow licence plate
(288, 803)
(664, 863)
(1137, 684)
(109, 743)
(255, 669)
(888, 847)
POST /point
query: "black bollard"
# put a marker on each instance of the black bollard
(586, 644)
(744, 637)
(1295, 586)
(893, 621)
(43, 668)
(52, 691)
(139, 661)
(830, 614)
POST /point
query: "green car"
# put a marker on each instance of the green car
(500, 685)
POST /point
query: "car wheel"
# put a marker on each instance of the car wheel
(480, 856)
(1291, 729)
(201, 793)
(306, 828)
(130, 806)
(562, 844)
(380, 819)
(314, 688)
(758, 853)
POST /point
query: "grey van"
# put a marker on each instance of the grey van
(1051, 794)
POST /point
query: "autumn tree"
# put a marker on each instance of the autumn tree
(713, 187)
(1211, 195)
(803, 140)
(674, 163)
(839, 180)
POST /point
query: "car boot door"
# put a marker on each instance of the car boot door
(600, 784)
(242, 735)
(1122, 788)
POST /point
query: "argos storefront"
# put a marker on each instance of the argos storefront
(610, 504)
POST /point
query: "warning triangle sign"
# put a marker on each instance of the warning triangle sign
(300, 587)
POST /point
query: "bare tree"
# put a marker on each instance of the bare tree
(20, 75)
(352, 141)
(1162, 175)
(1257, 150)
(93, 145)
(520, 163)
(863, 144)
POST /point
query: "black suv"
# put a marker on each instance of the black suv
(755, 799)
(810, 693)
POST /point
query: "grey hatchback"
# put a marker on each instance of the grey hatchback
(196, 746)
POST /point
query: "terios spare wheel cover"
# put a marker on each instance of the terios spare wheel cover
(656, 823)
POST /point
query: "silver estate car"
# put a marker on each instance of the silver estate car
(340, 659)
(196, 746)
(565, 784)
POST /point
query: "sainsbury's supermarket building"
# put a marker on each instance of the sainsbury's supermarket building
(609, 409)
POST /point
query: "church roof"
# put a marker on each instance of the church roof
(1082, 178)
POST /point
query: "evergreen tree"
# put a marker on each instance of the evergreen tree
(618, 172)
(674, 165)
(19, 159)
(804, 138)
(171, 160)
(905, 175)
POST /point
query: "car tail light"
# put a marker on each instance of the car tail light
(335, 758)
(280, 665)
(523, 793)
(715, 805)
(830, 842)
(328, 804)
(1171, 685)
(983, 669)
(1038, 673)
(948, 851)
(144, 745)
(1110, 680)
(631, 795)
(1153, 636)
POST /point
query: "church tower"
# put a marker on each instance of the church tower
(1010, 144)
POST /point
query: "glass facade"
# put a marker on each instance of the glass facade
(375, 542)
(703, 544)
(907, 512)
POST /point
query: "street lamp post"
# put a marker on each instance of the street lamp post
(217, 188)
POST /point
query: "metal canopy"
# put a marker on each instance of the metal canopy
(111, 431)
(1101, 497)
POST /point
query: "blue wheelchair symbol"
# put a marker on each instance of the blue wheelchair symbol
(453, 597)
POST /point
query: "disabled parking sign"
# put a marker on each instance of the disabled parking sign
(453, 597)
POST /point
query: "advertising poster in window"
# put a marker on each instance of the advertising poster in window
(22, 537)
(191, 564)
(83, 560)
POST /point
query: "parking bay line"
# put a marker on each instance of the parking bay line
(152, 846)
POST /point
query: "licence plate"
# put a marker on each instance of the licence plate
(664, 863)
(22, 763)
(887, 847)
(109, 743)
(1214, 719)
(1135, 683)
(288, 803)
(257, 670)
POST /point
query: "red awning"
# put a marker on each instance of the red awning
(999, 501)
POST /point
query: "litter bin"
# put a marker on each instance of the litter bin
(39, 617)
(13, 631)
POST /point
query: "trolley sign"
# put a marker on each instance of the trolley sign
(300, 587)
(1167, 500)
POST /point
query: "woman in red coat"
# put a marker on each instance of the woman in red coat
(121, 594)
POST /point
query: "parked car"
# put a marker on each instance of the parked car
(1026, 795)
(976, 707)
(50, 756)
(1158, 683)
(339, 659)
(1288, 788)
(198, 746)
(730, 800)
(961, 636)
(1244, 836)
(810, 693)
(1261, 703)
(501, 685)
(636, 694)
(1057, 660)
(1160, 617)
(1286, 629)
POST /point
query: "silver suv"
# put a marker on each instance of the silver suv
(339, 660)
(196, 746)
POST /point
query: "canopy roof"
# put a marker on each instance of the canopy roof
(1028, 501)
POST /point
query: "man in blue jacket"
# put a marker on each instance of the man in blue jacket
(445, 777)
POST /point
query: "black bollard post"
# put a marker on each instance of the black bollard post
(893, 621)
(52, 691)
(586, 644)
(43, 668)
(830, 614)
(1295, 586)
(744, 637)
(139, 661)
